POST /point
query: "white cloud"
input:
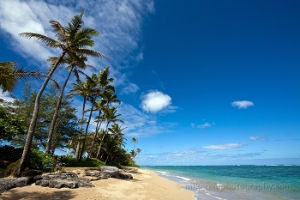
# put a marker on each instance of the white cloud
(205, 125)
(5, 96)
(254, 138)
(130, 88)
(242, 104)
(155, 101)
(224, 146)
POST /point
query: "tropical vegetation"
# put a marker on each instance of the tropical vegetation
(45, 122)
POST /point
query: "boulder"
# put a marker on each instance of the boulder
(109, 168)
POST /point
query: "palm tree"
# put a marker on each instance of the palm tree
(75, 61)
(105, 90)
(118, 134)
(134, 140)
(98, 119)
(133, 154)
(71, 40)
(110, 148)
(110, 116)
(9, 75)
(84, 89)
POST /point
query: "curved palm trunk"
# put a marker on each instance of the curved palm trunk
(82, 117)
(95, 135)
(86, 129)
(34, 117)
(54, 118)
(99, 149)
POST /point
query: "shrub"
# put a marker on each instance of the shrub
(37, 159)
(85, 162)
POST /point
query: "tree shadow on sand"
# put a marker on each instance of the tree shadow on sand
(59, 194)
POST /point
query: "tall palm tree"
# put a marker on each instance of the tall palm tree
(133, 154)
(99, 106)
(70, 39)
(117, 132)
(84, 89)
(105, 90)
(110, 148)
(74, 62)
(9, 75)
(111, 116)
(134, 140)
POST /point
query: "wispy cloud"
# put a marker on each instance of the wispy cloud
(205, 125)
(242, 104)
(130, 88)
(192, 156)
(155, 101)
(140, 124)
(254, 138)
(224, 146)
(118, 21)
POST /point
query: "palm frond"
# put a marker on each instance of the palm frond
(90, 52)
(41, 39)
(59, 30)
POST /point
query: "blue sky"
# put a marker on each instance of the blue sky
(201, 82)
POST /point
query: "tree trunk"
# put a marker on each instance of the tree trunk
(34, 117)
(77, 150)
(54, 118)
(95, 135)
(86, 130)
(98, 153)
(77, 154)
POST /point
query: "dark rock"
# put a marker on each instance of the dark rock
(120, 175)
(45, 183)
(59, 185)
(52, 183)
(38, 182)
(35, 178)
(71, 185)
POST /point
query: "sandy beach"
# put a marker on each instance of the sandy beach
(144, 185)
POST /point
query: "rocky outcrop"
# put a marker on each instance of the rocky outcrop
(64, 179)
(9, 183)
(108, 174)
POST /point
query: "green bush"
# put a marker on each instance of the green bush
(37, 159)
(85, 162)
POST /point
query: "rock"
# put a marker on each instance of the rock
(45, 183)
(59, 185)
(52, 183)
(38, 182)
(35, 178)
(120, 175)
(109, 168)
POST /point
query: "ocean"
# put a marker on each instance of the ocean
(235, 182)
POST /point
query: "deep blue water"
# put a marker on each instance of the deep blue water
(236, 182)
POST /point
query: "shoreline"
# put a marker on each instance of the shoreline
(146, 184)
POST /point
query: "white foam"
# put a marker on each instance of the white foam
(184, 178)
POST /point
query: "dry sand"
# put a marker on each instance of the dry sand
(145, 185)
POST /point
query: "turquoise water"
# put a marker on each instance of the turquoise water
(236, 182)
